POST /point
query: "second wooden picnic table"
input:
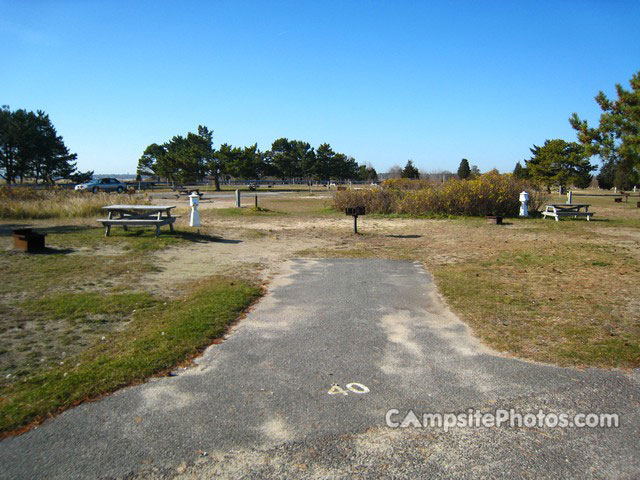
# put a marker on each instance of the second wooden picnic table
(138, 216)
(557, 210)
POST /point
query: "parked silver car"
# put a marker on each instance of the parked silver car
(103, 185)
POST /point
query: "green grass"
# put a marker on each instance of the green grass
(81, 305)
(135, 239)
(156, 340)
(241, 212)
(300, 206)
(35, 274)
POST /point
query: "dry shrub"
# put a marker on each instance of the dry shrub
(406, 184)
(488, 194)
(26, 202)
(374, 201)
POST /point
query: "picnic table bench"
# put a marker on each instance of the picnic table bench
(187, 191)
(557, 210)
(138, 216)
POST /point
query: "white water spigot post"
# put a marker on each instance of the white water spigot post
(194, 200)
(524, 204)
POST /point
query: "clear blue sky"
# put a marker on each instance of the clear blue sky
(383, 81)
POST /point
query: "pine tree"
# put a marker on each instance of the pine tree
(519, 171)
(410, 171)
(617, 138)
(464, 170)
(559, 163)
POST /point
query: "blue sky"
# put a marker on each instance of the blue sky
(381, 81)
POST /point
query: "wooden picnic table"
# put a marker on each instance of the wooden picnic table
(557, 210)
(187, 191)
(138, 216)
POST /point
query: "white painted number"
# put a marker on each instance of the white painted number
(337, 390)
(353, 387)
(357, 388)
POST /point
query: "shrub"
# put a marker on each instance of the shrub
(30, 203)
(405, 184)
(375, 201)
(488, 194)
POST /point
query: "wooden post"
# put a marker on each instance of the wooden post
(238, 198)
(256, 200)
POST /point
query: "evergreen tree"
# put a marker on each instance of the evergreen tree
(464, 170)
(284, 160)
(367, 173)
(519, 171)
(182, 159)
(323, 164)
(31, 148)
(410, 171)
(617, 138)
(250, 163)
(559, 163)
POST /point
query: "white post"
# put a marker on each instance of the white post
(195, 215)
(524, 204)
(570, 197)
(238, 198)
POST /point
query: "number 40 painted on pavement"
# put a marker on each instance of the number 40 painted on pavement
(353, 387)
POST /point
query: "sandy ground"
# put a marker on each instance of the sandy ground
(258, 259)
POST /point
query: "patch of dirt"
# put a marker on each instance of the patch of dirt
(255, 257)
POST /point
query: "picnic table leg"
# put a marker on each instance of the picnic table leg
(157, 230)
(123, 225)
(107, 228)
(170, 222)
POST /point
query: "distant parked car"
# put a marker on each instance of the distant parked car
(103, 185)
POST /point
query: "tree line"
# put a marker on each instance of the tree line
(616, 140)
(192, 157)
(31, 149)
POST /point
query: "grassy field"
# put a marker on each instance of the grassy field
(27, 203)
(561, 292)
(79, 321)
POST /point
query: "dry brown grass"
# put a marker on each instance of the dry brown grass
(561, 292)
(28, 203)
(489, 194)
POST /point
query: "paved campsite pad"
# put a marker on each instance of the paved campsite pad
(258, 403)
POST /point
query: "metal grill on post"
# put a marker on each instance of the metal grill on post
(355, 211)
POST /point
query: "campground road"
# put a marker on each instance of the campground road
(259, 404)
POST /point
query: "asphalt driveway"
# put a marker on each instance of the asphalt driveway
(301, 388)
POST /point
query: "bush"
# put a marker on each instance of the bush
(31, 203)
(488, 194)
(405, 184)
(375, 201)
